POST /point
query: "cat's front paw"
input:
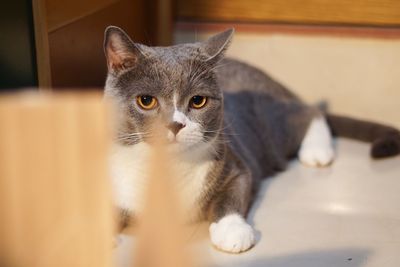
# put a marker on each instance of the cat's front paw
(232, 234)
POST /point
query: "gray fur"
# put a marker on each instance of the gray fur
(253, 123)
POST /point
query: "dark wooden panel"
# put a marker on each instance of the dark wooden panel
(61, 12)
(42, 44)
(17, 47)
(76, 49)
(353, 12)
(159, 20)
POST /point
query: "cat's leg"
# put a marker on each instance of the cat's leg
(316, 148)
(229, 230)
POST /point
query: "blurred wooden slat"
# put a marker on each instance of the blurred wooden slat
(357, 12)
(162, 232)
(55, 203)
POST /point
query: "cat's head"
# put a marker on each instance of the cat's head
(175, 86)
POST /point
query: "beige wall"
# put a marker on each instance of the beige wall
(357, 76)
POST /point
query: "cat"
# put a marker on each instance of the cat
(234, 124)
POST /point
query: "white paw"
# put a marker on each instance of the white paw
(232, 234)
(316, 156)
(316, 149)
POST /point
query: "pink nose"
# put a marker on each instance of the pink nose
(175, 127)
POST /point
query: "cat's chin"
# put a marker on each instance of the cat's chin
(181, 147)
(185, 148)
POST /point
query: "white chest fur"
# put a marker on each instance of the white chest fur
(129, 177)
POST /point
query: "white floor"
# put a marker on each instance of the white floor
(345, 215)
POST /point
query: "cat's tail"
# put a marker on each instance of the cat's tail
(385, 139)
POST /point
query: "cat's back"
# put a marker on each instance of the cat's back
(257, 114)
(234, 76)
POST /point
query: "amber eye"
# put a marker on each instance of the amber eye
(198, 101)
(146, 102)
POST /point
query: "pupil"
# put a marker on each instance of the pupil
(197, 100)
(146, 100)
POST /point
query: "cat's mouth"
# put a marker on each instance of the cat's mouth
(171, 138)
(184, 142)
(181, 143)
(173, 141)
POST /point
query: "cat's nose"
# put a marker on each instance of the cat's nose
(175, 127)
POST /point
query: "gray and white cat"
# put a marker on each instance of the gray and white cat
(233, 123)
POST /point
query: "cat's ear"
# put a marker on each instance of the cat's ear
(216, 45)
(120, 51)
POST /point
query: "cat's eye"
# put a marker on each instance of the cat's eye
(198, 101)
(146, 102)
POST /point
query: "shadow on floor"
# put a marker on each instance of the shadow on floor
(350, 257)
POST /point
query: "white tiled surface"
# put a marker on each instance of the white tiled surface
(345, 215)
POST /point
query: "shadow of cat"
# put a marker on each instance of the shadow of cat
(353, 257)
